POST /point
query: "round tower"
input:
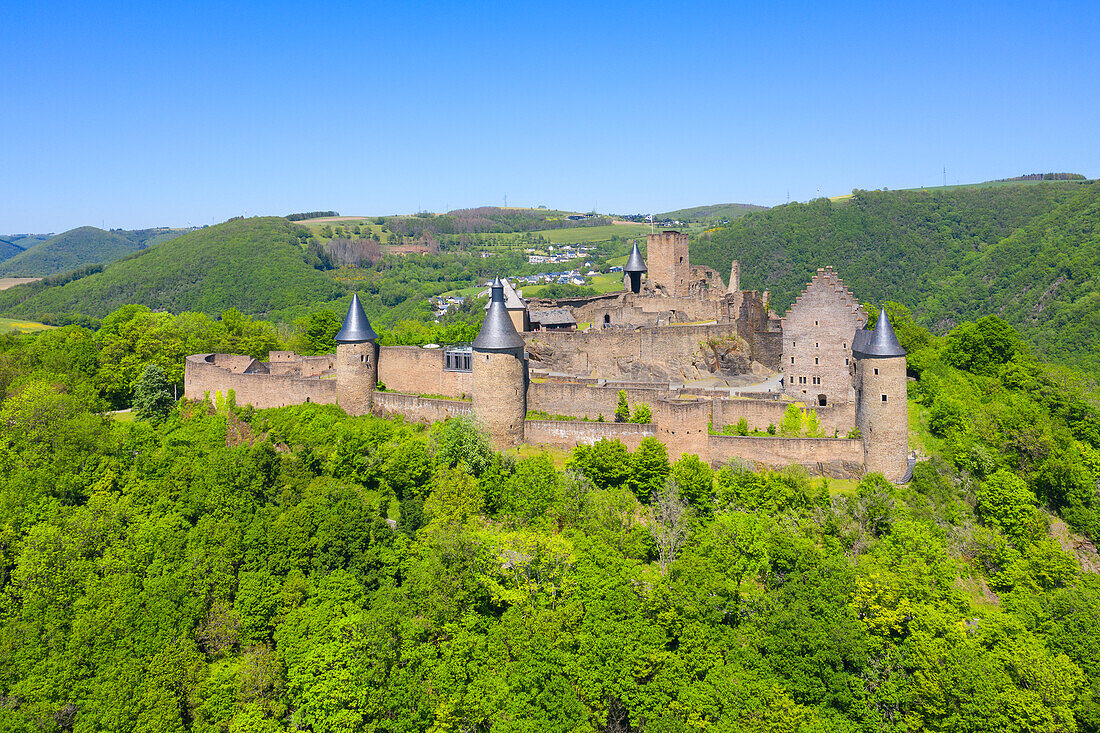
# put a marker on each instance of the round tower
(881, 413)
(499, 374)
(633, 271)
(356, 361)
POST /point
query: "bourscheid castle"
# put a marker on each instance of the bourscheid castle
(702, 355)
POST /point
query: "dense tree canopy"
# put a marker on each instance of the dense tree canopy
(298, 569)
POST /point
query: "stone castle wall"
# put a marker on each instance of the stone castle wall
(567, 434)
(834, 457)
(573, 399)
(641, 354)
(202, 377)
(420, 371)
(760, 413)
(419, 409)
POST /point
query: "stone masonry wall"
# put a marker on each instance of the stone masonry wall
(835, 457)
(624, 353)
(567, 434)
(419, 409)
(420, 371)
(202, 377)
(584, 400)
(760, 413)
(817, 340)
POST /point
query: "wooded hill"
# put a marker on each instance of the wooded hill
(1028, 252)
(253, 265)
(711, 213)
(7, 249)
(77, 248)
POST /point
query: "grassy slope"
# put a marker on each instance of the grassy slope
(10, 324)
(68, 251)
(254, 265)
(712, 212)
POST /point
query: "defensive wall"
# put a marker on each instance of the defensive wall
(566, 434)
(419, 409)
(420, 371)
(207, 374)
(640, 353)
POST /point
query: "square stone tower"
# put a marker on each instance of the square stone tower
(667, 257)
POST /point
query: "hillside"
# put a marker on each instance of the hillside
(8, 250)
(712, 213)
(68, 251)
(1044, 279)
(80, 247)
(924, 248)
(254, 265)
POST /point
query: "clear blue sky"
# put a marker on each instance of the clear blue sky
(131, 116)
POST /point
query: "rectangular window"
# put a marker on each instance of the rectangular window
(817, 345)
(817, 380)
(884, 398)
(876, 371)
(816, 360)
(846, 362)
(815, 323)
(792, 360)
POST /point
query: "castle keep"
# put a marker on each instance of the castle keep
(701, 354)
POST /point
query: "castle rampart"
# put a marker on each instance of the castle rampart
(420, 371)
(419, 409)
(202, 377)
(569, 433)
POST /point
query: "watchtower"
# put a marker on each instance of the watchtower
(500, 377)
(356, 361)
(881, 413)
(633, 271)
(669, 266)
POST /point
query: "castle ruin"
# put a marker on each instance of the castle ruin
(701, 354)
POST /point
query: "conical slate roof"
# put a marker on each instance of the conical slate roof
(497, 331)
(881, 342)
(357, 328)
(635, 263)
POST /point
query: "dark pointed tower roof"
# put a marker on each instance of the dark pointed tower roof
(357, 328)
(498, 333)
(635, 263)
(882, 342)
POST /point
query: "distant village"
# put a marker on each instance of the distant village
(555, 254)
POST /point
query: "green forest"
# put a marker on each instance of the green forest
(77, 248)
(200, 567)
(1029, 253)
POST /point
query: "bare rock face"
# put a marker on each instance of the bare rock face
(540, 352)
(729, 356)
